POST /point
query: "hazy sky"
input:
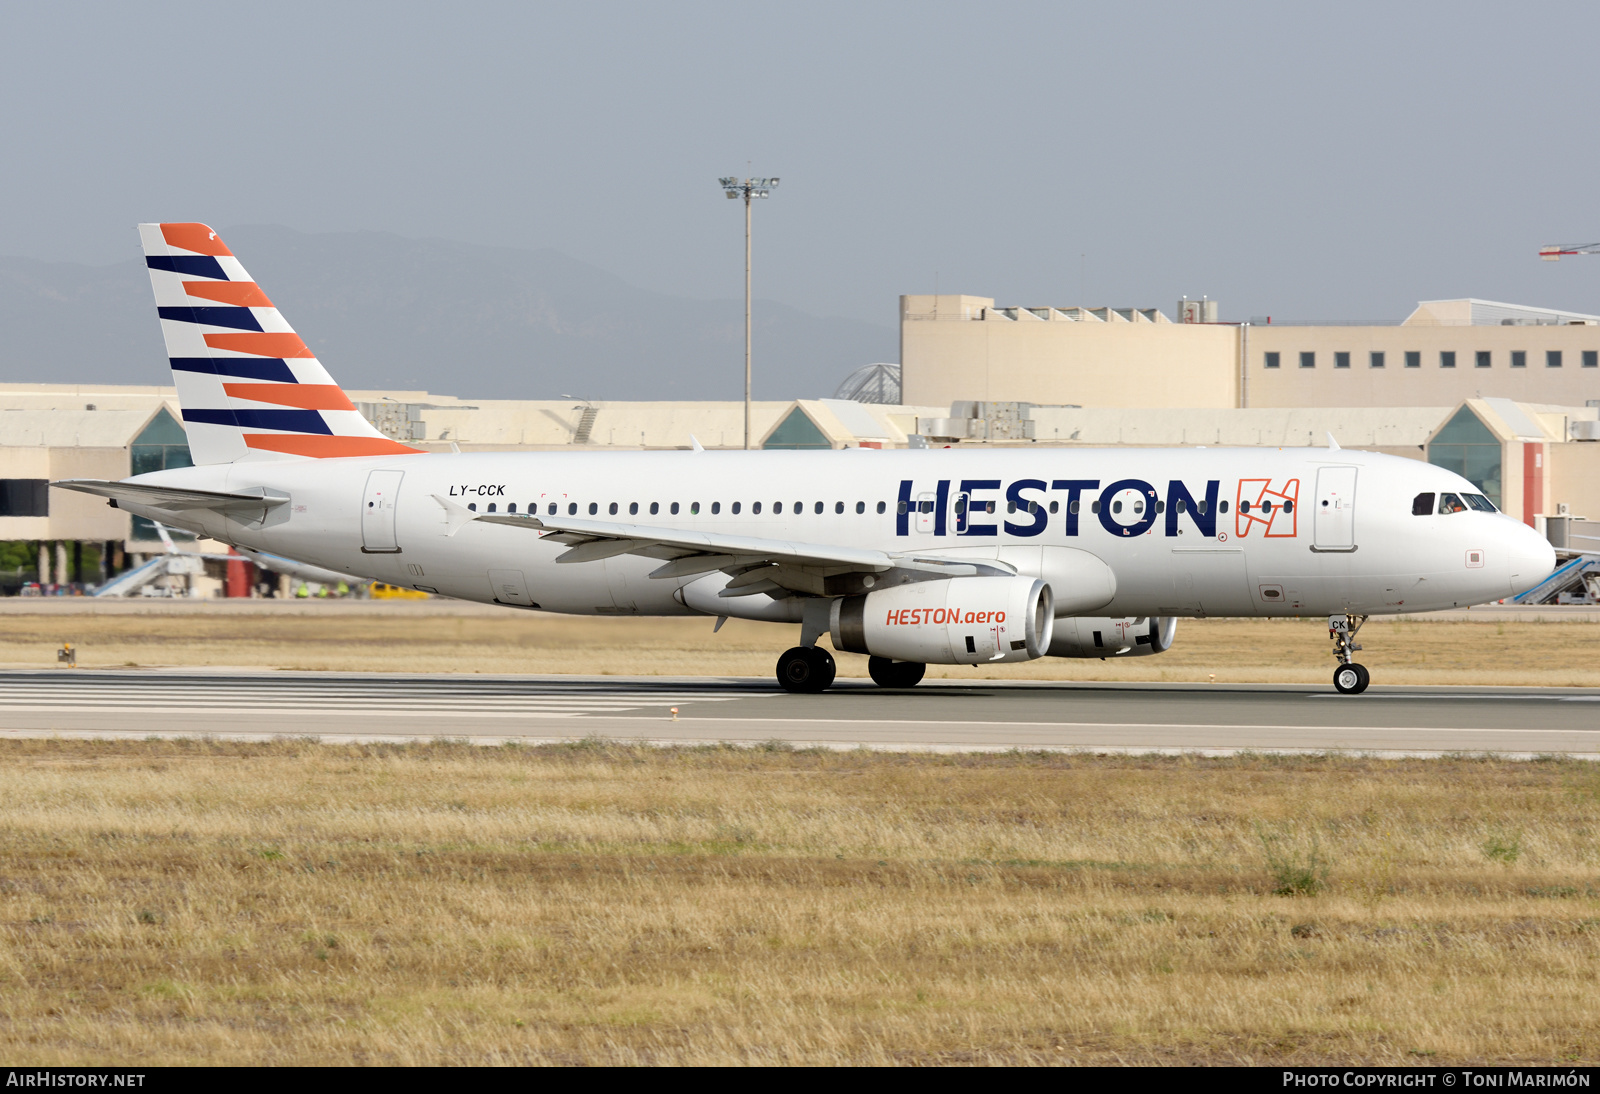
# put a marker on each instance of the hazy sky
(1304, 161)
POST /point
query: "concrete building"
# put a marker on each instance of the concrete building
(956, 348)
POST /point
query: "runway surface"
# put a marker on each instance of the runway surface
(942, 715)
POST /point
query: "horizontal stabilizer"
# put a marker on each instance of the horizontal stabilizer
(174, 499)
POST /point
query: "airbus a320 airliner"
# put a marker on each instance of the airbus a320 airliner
(913, 557)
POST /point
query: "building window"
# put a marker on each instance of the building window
(797, 430)
(1591, 358)
(160, 446)
(1447, 358)
(1413, 358)
(1552, 358)
(1308, 359)
(1341, 360)
(1376, 358)
(1519, 358)
(1271, 361)
(27, 498)
(1466, 447)
(1483, 358)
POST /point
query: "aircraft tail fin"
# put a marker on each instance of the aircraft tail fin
(248, 386)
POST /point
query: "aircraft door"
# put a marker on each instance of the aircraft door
(377, 513)
(1334, 527)
(926, 503)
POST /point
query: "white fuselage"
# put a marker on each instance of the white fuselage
(1347, 541)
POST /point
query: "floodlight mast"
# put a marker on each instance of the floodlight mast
(747, 189)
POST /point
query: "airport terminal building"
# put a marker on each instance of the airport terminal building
(956, 348)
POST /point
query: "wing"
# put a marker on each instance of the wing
(779, 568)
(166, 497)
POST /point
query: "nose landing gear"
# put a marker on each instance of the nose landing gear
(1349, 678)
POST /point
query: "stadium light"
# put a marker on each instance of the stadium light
(748, 189)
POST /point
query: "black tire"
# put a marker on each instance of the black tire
(895, 674)
(1350, 679)
(824, 668)
(805, 670)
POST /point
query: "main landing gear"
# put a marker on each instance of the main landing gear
(1349, 678)
(806, 669)
(895, 674)
(810, 669)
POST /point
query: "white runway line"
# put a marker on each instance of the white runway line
(335, 698)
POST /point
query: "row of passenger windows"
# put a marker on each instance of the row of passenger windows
(1447, 359)
(673, 508)
(1422, 504)
(924, 506)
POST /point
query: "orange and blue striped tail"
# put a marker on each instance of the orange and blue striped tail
(248, 386)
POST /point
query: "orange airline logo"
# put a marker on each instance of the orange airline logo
(1275, 511)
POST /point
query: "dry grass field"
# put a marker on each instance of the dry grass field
(296, 903)
(499, 641)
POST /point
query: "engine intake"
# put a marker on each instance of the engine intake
(1089, 636)
(954, 621)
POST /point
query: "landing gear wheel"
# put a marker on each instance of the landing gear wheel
(806, 669)
(895, 674)
(1351, 679)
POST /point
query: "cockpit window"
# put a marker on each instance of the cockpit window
(1449, 503)
(1422, 505)
(1479, 502)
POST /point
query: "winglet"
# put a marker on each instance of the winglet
(1333, 444)
(455, 516)
(695, 441)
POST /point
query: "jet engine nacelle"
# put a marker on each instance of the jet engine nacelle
(1088, 636)
(954, 621)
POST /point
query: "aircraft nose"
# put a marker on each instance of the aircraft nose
(1531, 559)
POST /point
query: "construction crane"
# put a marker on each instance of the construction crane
(1554, 252)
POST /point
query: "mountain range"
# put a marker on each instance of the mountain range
(384, 311)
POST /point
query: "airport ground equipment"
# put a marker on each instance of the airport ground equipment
(1579, 573)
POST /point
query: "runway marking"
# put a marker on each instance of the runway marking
(1381, 697)
(407, 699)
